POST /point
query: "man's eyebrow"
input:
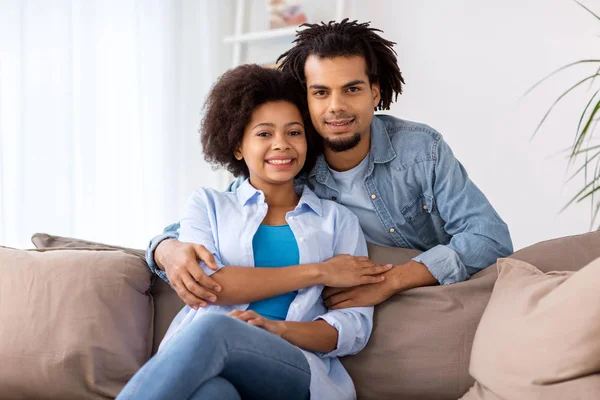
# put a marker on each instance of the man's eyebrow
(354, 83)
(347, 85)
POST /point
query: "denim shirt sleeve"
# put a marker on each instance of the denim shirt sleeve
(355, 324)
(479, 236)
(170, 232)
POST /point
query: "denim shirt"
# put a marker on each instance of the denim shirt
(225, 223)
(424, 200)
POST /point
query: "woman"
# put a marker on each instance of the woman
(271, 249)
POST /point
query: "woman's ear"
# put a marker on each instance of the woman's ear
(238, 154)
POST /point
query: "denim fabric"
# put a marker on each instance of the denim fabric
(217, 356)
(226, 223)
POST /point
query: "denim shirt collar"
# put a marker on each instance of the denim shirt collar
(381, 152)
(247, 193)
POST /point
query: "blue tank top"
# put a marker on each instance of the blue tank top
(275, 247)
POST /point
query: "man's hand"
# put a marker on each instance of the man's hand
(253, 318)
(359, 296)
(346, 271)
(180, 262)
(401, 277)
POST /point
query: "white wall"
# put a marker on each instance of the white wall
(467, 64)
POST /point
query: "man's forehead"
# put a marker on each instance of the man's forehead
(335, 71)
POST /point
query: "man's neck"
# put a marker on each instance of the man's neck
(346, 160)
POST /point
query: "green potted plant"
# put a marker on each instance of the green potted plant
(583, 149)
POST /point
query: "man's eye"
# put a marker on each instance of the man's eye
(320, 93)
(353, 89)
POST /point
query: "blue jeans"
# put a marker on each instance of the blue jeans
(220, 357)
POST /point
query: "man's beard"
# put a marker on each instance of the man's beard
(342, 144)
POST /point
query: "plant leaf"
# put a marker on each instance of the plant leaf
(575, 198)
(588, 10)
(586, 128)
(558, 100)
(557, 71)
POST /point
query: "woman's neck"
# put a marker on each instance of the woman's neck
(278, 195)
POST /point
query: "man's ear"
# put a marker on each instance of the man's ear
(376, 91)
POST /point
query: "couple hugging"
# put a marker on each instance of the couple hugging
(274, 271)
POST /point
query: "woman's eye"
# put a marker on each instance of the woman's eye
(295, 133)
(263, 134)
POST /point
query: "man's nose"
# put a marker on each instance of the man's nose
(336, 103)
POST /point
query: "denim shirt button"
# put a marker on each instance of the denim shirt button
(373, 196)
(425, 207)
(333, 198)
(392, 230)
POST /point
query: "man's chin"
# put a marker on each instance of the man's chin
(340, 144)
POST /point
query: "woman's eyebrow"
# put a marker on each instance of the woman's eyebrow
(272, 125)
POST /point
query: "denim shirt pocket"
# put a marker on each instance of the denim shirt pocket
(419, 213)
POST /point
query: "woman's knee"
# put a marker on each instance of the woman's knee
(217, 326)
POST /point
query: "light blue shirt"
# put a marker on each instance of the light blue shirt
(225, 223)
(275, 247)
(354, 196)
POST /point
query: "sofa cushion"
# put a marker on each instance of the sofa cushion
(539, 335)
(421, 345)
(75, 323)
(166, 301)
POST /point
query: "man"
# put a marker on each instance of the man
(399, 177)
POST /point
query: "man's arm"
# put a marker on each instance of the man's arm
(153, 253)
(479, 235)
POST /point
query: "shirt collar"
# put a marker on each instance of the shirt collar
(381, 150)
(247, 193)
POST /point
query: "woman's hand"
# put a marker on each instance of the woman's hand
(345, 270)
(253, 318)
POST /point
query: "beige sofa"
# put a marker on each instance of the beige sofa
(79, 318)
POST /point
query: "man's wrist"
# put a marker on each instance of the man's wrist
(410, 275)
(159, 253)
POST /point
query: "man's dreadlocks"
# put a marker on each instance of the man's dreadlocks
(346, 39)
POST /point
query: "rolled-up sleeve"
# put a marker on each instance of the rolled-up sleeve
(355, 324)
(196, 226)
(170, 232)
(479, 235)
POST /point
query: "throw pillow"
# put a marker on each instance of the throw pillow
(539, 335)
(76, 324)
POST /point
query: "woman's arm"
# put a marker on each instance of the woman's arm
(242, 285)
(317, 336)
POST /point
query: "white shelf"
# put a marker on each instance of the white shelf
(269, 34)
